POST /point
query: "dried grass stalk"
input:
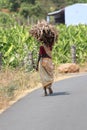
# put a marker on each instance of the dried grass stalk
(44, 32)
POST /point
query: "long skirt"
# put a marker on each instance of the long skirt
(46, 75)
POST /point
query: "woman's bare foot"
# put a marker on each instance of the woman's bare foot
(50, 91)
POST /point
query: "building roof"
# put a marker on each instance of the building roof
(59, 11)
(55, 12)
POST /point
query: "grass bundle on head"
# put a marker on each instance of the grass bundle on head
(45, 33)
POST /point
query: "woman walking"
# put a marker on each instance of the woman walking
(47, 35)
(45, 69)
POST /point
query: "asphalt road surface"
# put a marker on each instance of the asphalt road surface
(66, 109)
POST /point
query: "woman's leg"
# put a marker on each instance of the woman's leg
(50, 89)
(45, 91)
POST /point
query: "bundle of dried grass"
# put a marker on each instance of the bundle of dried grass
(44, 32)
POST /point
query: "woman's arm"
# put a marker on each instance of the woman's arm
(42, 53)
(38, 62)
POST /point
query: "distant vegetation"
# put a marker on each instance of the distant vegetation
(34, 10)
(16, 43)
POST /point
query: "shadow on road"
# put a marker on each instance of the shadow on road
(59, 93)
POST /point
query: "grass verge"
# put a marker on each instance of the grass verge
(14, 84)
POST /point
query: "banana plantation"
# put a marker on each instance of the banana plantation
(16, 45)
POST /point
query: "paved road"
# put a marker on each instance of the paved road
(66, 109)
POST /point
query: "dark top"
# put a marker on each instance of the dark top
(42, 51)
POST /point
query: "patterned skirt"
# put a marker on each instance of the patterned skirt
(46, 75)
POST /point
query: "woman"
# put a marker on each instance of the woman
(47, 35)
(46, 72)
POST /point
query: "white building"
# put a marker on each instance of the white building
(71, 15)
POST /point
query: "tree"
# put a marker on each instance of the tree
(28, 1)
(14, 5)
(32, 10)
(4, 4)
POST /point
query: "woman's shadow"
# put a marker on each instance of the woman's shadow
(59, 93)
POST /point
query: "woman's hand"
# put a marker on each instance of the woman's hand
(37, 68)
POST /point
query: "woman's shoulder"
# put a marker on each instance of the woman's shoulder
(41, 47)
(42, 50)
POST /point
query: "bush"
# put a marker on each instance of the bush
(25, 12)
(5, 19)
